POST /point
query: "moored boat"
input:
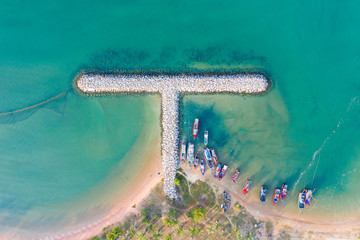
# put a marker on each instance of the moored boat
(202, 167)
(196, 162)
(301, 200)
(235, 175)
(226, 207)
(246, 186)
(217, 171)
(210, 164)
(206, 137)
(207, 154)
(263, 192)
(183, 152)
(214, 156)
(283, 191)
(223, 172)
(227, 196)
(276, 196)
(190, 154)
(195, 130)
(308, 196)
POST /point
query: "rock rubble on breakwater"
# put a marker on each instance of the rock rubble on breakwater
(170, 87)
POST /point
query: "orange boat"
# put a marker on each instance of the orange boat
(276, 196)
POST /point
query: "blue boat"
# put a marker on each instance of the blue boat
(217, 170)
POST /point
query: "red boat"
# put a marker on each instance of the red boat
(283, 191)
(223, 172)
(246, 187)
(235, 175)
(195, 131)
(217, 170)
(276, 196)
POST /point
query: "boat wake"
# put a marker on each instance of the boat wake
(317, 153)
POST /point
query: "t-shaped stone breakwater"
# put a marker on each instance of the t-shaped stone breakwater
(170, 87)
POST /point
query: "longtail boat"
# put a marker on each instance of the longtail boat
(308, 196)
(301, 200)
(206, 137)
(263, 192)
(276, 196)
(210, 164)
(223, 172)
(202, 167)
(246, 187)
(235, 175)
(183, 152)
(195, 130)
(283, 191)
(217, 171)
(190, 154)
(214, 156)
(196, 162)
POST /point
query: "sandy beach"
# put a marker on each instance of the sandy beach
(310, 226)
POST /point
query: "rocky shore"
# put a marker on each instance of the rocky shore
(170, 88)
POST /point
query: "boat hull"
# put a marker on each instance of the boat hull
(276, 197)
(235, 176)
(202, 167)
(195, 131)
(183, 152)
(217, 171)
(190, 154)
(223, 172)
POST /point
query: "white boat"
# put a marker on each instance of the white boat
(183, 151)
(207, 154)
(190, 154)
(206, 138)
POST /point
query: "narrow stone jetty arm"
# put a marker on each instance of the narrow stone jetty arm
(170, 139)
(251, 83)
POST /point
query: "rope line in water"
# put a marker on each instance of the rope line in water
(35, 105)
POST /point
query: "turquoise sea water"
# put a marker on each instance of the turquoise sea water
(304, 131)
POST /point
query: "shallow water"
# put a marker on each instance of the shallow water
(304, 131)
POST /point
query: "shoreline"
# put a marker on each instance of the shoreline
(146, 179)
(111, 200)
(318, 226)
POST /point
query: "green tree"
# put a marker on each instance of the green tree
(172, 214)
(197, 214)
(132, 231)
(157, 235)
(249, 236)
(144, 212)
(194, 231)
(217, 226)
(180, 231)
(168, 237)
(175, 223)
(150, 228)
(141, 236)
(167, 221)
(237, 232)
(114, 233)
(177, 182)
(210, 230)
